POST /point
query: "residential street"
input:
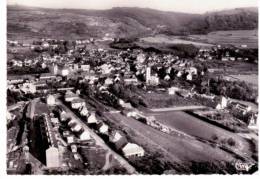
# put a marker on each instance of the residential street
(99, 141)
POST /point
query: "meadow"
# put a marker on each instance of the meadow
(229, 37)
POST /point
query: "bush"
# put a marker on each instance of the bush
(231, 142)
(214, 137)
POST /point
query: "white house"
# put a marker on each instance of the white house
(179, 74)
(232, 58)
(10, 116)
(77, 103)
(108, 81)
(92, 118)
(141, 58)
(193, 70)
(131, 80)
(154, 80)
(28, 88)
(105, 68)
(65, 72)
(222, 104)
(102, 128)
(167, 77)
(189, 77)
(84, 111)
(72, 122)
(115, 136)
(51, 100)
(125, 105)
(131, 150)
(85, 67)
(173, 90)
(70, 139)
(84, 136)
(73, 148)
(52, 157)
(45, 44)
(224, 59)
(69, 96)
(76, 128)
(55, 120)
(117, 79)
(253, 123)
(131, 114)
(243, 108)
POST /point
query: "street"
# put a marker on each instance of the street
(177, 108)
(98, 140)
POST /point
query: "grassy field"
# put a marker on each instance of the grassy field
(252, 79)
(233, 37)
(163, 99)
(172, 40)
(197, 128)
(178, 148)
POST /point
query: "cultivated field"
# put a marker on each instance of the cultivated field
(172, 40)
(232, 37)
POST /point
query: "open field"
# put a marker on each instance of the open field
(252, 79)
(230, 67)
(197, 128)
(232, 37)
(163, 99)
(177, 148)
(172, 40)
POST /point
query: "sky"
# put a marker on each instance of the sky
(189, 6)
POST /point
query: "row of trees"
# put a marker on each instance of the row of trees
(233, 89)
(27, 70)
(127, 94)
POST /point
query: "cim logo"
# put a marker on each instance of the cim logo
(242, 166)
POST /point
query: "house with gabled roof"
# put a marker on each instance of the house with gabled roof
(132, 150)
(77, 103)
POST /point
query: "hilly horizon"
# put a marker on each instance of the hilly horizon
(31, 22)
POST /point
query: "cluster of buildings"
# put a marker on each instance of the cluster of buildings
(117, 139)
(99, 69)
(222, 53)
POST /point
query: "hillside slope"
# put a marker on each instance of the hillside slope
(27, 22)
